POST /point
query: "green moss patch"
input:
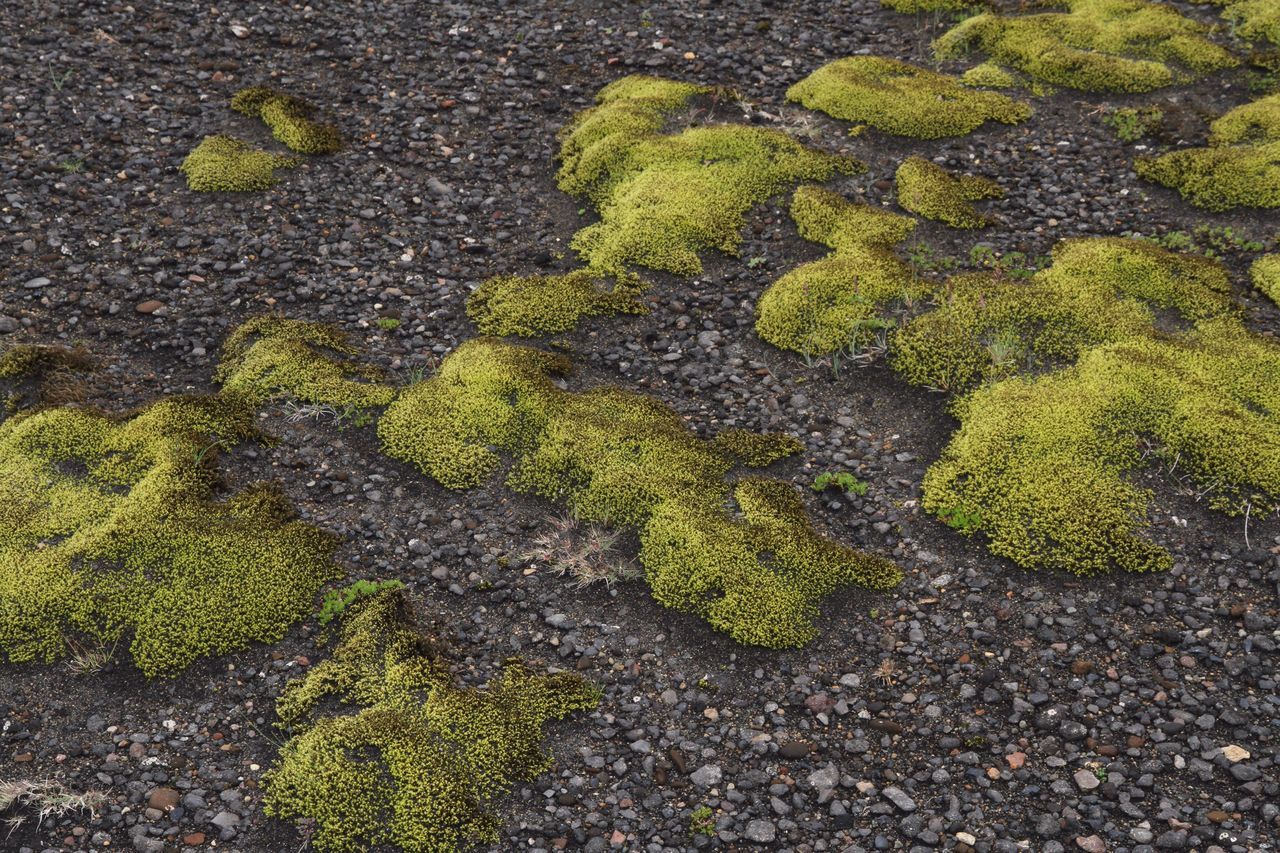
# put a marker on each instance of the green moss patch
(1265, 273)
(290, 119)
(226, 164)
(902, 99)
(110, 531)
(931, 191)
(839, 302)
(1257, 20)
(757, 449)
(270, 357)
(536, 305)
(412, 759)
(1096, 45)
(988, 75)
(624, 459)
(911, 7)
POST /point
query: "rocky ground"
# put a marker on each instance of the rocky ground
(977, 706)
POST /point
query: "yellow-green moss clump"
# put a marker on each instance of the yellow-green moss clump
(931, 191)
(270, 357)
(624, 459)
(289, 118)
(902, 99)
(663, 198)
(1040, 465)
(41, 374)
(1251, 19)
(110, 530)
(841, 301)
(988, 75)
(912, 6)
(1239, 168)
(547, 304)
(411, 760)
(1097, 291)
(1265, 273)
(757, 449)
(226, 164)
(1096, 45)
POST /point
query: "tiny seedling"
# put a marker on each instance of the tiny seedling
(843, 480)
(702, 821)
(960, 518)
(388, 323)
(338, 600)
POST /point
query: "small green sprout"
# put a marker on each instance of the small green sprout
(843, 480)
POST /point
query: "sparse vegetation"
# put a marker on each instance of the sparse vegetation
(45, 799)
(1133, 123)
(842, 480)
(585, 553)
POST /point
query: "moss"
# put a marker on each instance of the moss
(110, 531)
(988, 75)
(934, 193)
(1040, 465)
(270, 357)
(226, 164)
(839, 301)
(755, 449)
(909, 7)
(902, 99)
(547, 304)
(1095, 45)
(1251, 19)
(418, 761)
(1257, 121)
(44, 375)
(1265, 273)
(625, 459)
(1097, 291)
(289, 118)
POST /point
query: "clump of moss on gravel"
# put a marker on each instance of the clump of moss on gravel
(1265, 273)
(110, 530)
(226, 164)
(839, 301)
(290, 119)
(756, 449)
(1251, 19)
(411, 759)
(988, 75)
(625, 459)
(909, 7)
(270, 357)
(1239, 168)
(1095, 45)
(547, 304)
(902, 99)
(931, 191)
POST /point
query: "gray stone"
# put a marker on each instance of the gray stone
(761, 831)
(825, 779)
(706, 776)
(1086, 780)
(899, 798)
(37, 282)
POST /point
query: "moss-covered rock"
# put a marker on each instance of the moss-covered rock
(535, 305)
(902, 99)
(290, 119)
(411, 759)
(110, 530)
(840, 302)
(931, 191)
(270, 357)
(1265, 273)
(624, 459)
(226, 164)
(1095, 45)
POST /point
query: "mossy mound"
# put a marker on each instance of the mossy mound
(756, 449)
(902, 99)
(1096, 45)
(1098, 290)
(289, 118)
(535, 305)
(226, 164)
(624, 459)
(110, 530)
(931, 191)
(1251, 19)
(412, 760)
(841, 301)
(270, 357)
(664, 198)
(988, 75)
(910, 7)
(1240, 168)
(1265, 273)
(1039, 465)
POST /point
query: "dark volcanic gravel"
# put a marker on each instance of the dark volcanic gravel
(977, 706)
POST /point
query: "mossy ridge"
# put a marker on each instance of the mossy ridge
(1265, 273)
(416, 760)
(625, 459)
(1040, 465)
(757, 449)
(903, 99)
(1256, 121)
(844, 298)
(929, 190)
(1098, 290)
(268, 357)
(137, 545)
(226, 164)
(289, 118)
(530, 306)
(1095, 45)
(988, 75)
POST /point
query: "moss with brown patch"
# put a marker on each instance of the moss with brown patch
(931, 191)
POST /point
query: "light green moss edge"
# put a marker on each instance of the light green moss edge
(1265, 273)
(929, 190)
(530, 306)
(1096, 45)
(1251, 19)
(625, 459)
(415, 761)
(289, 118)
(226, 164)
(899, 98)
